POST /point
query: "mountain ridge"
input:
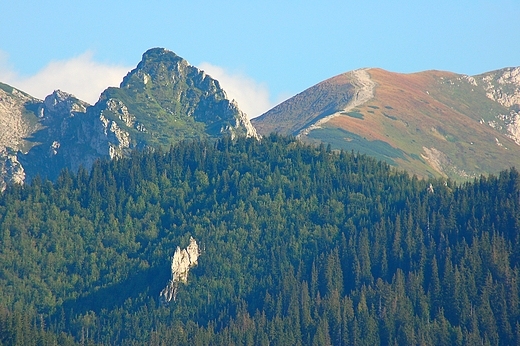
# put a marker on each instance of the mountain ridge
(431, 123)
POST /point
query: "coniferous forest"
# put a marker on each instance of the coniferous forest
(301, 245)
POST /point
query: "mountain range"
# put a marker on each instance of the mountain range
(431, 124)
(162, 101)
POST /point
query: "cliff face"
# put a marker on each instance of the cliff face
(69, 137)
(162, 101)
(18, 121)
(503, 86)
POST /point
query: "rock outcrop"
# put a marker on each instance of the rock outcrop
(182, 262)
(503, 86)
(11, 170)
(18, 121)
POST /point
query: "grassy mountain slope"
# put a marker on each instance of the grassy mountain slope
(307, 107)
(431, 123)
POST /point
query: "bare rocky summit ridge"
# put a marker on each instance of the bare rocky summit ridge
(160, 102)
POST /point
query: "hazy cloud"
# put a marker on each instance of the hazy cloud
(252, 97)
(81, 76)
(6, 69)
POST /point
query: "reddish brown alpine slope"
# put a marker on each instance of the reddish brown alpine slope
(430, 123)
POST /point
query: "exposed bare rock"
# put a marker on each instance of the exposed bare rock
(182, 262)
(18, 122)
(511, 122)
(503, 86)
(11, 170)
(471, 80)
(60, 104)
(443, 164)
(114, 140)
(15, 118)
(121, 110)
(241, 122)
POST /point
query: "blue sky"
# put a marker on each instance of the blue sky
(262, 52)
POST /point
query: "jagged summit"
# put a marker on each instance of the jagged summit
(177, 97)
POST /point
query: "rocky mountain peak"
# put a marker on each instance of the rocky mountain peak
(61, 104)
(179, 93)
(157, 65)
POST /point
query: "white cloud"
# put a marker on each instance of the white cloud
(252, 97)
(81, 76)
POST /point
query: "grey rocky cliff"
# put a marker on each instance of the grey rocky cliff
(15, 118)
(18, 121)
(11, 170)
(71, 134)
(503, 86)
(182, 261)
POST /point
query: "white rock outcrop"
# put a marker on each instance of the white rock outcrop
(11, 170)
(182, 262)
(504, 87)
(241, 121)
(120, 109)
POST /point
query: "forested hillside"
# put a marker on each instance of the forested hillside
(300, 246)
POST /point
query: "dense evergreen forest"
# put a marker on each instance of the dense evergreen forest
(300, 246)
